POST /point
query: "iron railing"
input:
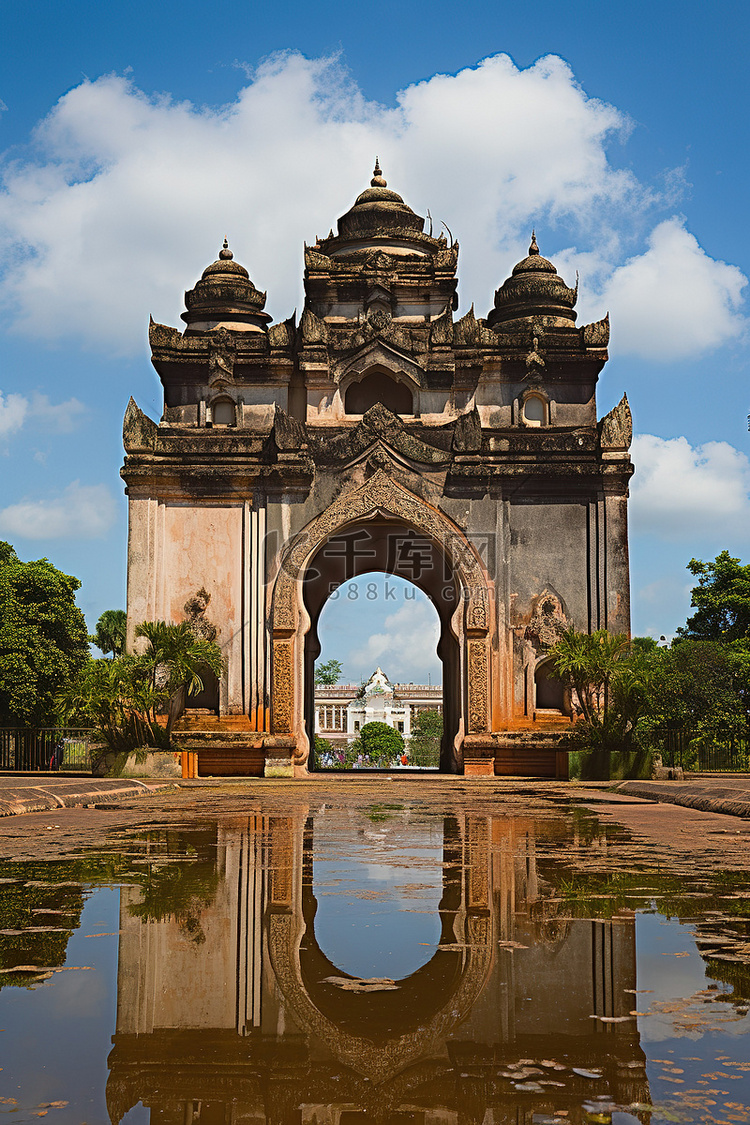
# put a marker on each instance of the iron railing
(681, 748)
(26, 749)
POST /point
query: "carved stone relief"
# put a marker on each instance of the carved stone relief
(221, 357)
(283, 687)
(195, 612)
(548, 622)
(477, 687)
(381, 493)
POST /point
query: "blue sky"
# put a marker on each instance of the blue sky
(135, 137)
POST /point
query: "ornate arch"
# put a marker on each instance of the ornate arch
(381, 1061)
(381, 496)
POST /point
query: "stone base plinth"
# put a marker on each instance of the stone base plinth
(531, 753)
(152, 763)
(279, 767)
(221, 754)
(479, 767)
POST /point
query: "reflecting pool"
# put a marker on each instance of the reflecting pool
(338, 965)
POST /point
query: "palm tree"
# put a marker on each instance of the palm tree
(109, 635)
(591, 662)
(174, 661)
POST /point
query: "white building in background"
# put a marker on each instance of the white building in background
(341, 710)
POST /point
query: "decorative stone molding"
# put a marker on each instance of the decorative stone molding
(616, 428)
(138, 431)
(596, 335)
(381, 353)
(381, 494)
(283, 687)
(477, 662)
(314, 330)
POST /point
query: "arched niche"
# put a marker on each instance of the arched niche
(550, 691)
(378, 386)
(223, 412)
(208, 698)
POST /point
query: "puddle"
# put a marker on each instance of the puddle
(386, 964)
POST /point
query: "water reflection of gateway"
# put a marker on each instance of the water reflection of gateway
(229, 1015)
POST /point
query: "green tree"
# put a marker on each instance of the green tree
(721, 600)
(109, 635)
(702, 687)
(591, 663)
(44, 642)
(378, 743)
(328, 673)
(125, 697)
(114, 697)
(426, 737)
(610, 679)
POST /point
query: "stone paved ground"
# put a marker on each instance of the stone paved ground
(730, 795)
(27, 793)
(660, 832)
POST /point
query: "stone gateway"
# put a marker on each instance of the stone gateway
(380, 433)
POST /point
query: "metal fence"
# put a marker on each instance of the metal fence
(30, 749)
(680, 748)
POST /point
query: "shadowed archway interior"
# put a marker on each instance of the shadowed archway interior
(389, 547)
(378, 387)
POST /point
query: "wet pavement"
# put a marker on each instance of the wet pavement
(32, 792)
(402, 952)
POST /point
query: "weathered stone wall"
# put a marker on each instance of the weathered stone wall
(255, 451)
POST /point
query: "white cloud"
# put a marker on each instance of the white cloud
(674, 301)
(80, 512)
(60, 417)
(408, 641)
(682, 492)
(13, 410)
(126, 198)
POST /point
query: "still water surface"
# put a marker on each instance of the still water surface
(341, 966)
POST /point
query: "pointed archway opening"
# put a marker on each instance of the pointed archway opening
(387, 547)
(385, 632)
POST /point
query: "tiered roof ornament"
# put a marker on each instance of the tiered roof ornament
(534, 290)
(379, 216)
(225, 297)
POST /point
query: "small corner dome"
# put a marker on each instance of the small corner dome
(534, 290)
(225, 297)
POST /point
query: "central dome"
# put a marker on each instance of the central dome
(379, 218)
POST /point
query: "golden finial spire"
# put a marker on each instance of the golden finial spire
(225, 254)
(533, 249)
(377, 176)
